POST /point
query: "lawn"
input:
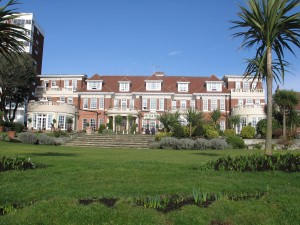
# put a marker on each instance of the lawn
(51, 193)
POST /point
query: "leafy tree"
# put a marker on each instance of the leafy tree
(168, 120)
(293, 119)
(118, 121)
(12, 36)
(193, 118)
(270, 26)
(261, 127)
(286, 100)
(15, 81)
(215, 116)
(234, 120)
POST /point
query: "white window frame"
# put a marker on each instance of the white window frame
(161, 104)
(124, 86)
(62, 99)
(85, 103)
(237, 85)
(249, 101)
(153, 103)
(257, 101)
(70, 100)
(241, 102)
(222, 104)
(144, 103)
(205, 104)
(174, 105)
(192, 104)
(123, 103)
(183, 104)
(183, 87)
(213, 104)
(246, 85)
(131, 104)
(153, 86)
(93, 103)
(94, 85)
(101, 103)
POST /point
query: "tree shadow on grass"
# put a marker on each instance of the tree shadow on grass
(52, 154)
(207, 154)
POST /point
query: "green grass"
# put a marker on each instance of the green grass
(49, 195)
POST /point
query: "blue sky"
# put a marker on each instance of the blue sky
(135, 37)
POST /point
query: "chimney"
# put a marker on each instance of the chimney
(159, 74)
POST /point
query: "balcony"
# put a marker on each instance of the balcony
(250, 109)
(247, 92)
(40, 90)
(122, 111)
(49, 106)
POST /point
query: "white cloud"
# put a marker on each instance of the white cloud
(174, 53)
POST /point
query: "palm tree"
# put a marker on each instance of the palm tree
(215, 116)
(193, 118)
(12, 36)
(234, 120)
(168, 120)
(286, 100)
(268, 27)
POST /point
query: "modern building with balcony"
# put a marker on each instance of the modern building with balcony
(100, 98)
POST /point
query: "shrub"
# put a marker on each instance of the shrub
(154, 144)
(248, 132)
(133, 128)
(101, 128)
(28, 138)
(199, 131)
(18, 127)
(56, 133)
(46, 140)
(107, 132)
(160, 135)
(219, 144)
(210, 133)
(202, 144)
(169, 143)
(179, 131)
(261, 127)
(18, 163)
(185, 144)
(229, 132)
(235, 142)
(257, 162)
(257, 146)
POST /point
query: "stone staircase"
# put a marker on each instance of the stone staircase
(112, 141)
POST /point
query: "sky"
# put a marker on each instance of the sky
(135, 37)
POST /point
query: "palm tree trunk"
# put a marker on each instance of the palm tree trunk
(284, 123)
(268, 146)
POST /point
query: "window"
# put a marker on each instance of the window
(101, 103)
(66, 83)
(61, 121)
(84, 122)
(93, 124)
(214, 104)
(93, 103)
(254, 84)
(153, 86)
(205, 105)
(85, 103)
(116, 103)
(192, 104)
(62, 98)
(101, 121)
(70, 100)
(145, 103)
(161, 104)
(124, 104)
(53, 83)
(237, 85)
(153, 103)
(174, 105)
(74, 84)
(213, 86)
(257, 101)
(124, 86)
(254, 122)
(246, 85)
(94, 85)
(49, 124)
(249, 101)
(222, 104)
(183, 104)
(28, 21)
(240, 102)
(131, 104)
(243, 121)
(183, 87)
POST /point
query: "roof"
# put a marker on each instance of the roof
(138, 83)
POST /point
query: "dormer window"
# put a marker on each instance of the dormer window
(124, 85)
(183, 86)
(153, 85)
(214, 86)
(94, 85)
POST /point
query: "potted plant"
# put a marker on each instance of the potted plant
(53, 124)
(69, 122)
